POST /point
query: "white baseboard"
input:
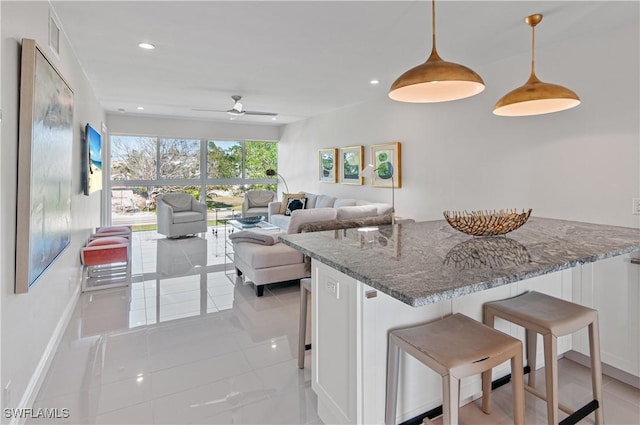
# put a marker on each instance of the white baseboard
(611, 371)
(37, 378)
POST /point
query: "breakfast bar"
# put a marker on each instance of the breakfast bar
(368, 281)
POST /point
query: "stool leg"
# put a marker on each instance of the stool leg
(517, 385)
(393, 366)
(486, 390)
(488, 319)
(450, 400)
(551, 377)
(531, 342)
(596, 369)
(302, 327)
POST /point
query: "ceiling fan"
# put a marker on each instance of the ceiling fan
(237, 109)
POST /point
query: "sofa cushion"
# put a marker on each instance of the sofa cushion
(285, 200)
(300, 217)
(325, 201)
(260, 256)
(362, 211)
(186, 217)
(344, 203)
(178, 201)
(295, 204)
(311, 200)
(383, 209)
(281, 220)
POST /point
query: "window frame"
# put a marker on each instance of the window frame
(203, 181)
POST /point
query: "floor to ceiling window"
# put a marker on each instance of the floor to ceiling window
(216, 171)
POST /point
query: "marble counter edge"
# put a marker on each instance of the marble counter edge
(456, 292)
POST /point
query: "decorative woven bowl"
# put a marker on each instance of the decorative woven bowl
(487, 223)
(251, 220)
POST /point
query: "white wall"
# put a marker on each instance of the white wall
(30, 321)
(581, 164)
(197, 129)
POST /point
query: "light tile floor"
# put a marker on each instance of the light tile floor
(184, 345)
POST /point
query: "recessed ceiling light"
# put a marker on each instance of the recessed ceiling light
(146, 46)
(374, 82)
(273, 118)
(140, 108)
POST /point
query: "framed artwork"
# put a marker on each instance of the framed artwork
(45, 150)
(351, 165)
(328, 165)
(386, 160)
(92, 158)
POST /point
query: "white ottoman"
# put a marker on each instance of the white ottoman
(265, 264)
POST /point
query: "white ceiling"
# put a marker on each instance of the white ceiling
(297, 58)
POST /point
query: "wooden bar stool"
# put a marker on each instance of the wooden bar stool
(552, 317)
(456, 347)
(305, 289)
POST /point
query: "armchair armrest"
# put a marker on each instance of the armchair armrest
(165, 217)
(274, 208)
(199, 206)
(245, 205)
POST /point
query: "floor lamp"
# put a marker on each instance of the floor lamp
(370, 171)
(271, 172)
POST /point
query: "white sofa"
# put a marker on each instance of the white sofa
(324, 207)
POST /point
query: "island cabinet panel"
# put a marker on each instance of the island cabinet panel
(612, 287)
(351, 322)
(334, 336)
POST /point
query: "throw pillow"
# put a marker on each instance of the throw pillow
(325, 201)
(295, 204)
(285, 200)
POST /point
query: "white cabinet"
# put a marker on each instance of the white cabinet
(351, 322)
(612, 287)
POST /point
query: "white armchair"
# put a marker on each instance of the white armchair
(179, 214)
(256, 202)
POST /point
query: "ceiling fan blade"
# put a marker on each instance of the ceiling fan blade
(269, 114)
(206, 110)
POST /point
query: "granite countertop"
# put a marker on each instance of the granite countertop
(426, 262)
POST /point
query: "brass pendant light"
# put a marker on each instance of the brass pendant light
(436, 80)
(535, 97)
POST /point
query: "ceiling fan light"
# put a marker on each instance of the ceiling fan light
(536, 99)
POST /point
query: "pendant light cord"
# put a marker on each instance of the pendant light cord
(533, 49)
(433, 24)
(533, 20)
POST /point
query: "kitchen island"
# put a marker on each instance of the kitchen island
(370, 280)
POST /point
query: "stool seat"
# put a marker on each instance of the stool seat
(455, 347)
(458, 344)
(544, 314)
